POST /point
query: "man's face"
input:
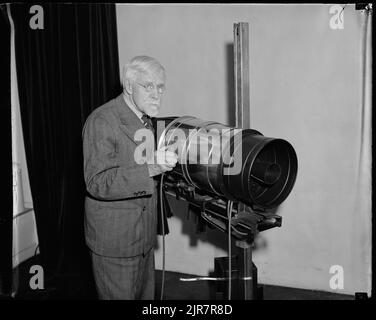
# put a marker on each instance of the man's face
(148, 102)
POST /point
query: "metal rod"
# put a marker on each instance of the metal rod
(247, 289)
(241, 75)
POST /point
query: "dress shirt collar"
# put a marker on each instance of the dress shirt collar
(138, 113)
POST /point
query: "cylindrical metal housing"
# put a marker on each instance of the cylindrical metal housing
(238, 164)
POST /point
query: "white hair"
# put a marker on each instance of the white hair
(141, 64)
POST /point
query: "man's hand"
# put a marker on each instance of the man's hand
(164, 160)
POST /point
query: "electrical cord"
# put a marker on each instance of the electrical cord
(229, 212)
(163, 235)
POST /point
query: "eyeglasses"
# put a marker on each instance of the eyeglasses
(149, 87)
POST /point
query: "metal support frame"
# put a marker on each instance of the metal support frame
(246, 222)
(247, 282)
(241, 76)
(241, 73)
(247, 272)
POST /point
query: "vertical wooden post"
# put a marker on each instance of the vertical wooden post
(241, 75)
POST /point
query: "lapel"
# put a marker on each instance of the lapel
(129, 122)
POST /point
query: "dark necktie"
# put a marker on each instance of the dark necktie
(147, 122)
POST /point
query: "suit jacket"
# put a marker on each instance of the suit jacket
(120, 206)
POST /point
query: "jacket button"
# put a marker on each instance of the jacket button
(143, 208)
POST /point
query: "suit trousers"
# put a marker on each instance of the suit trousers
(130, 278)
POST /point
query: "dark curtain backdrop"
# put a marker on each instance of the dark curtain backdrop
(64, 72)
(6, 212)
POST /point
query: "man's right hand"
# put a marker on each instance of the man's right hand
(164, 160)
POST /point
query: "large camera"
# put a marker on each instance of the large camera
(229, 163)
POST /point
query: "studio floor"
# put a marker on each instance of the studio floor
(175, 289)
(77, 288)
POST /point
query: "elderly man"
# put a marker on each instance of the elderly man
(120, 205)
